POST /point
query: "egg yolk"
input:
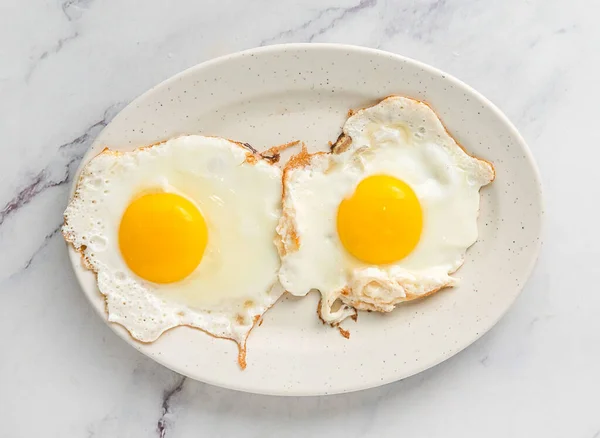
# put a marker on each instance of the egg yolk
(162, 237)
(381, 222)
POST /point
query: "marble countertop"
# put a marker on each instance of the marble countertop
(69, 65)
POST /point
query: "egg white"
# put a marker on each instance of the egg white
(239, 195)
(402, 138)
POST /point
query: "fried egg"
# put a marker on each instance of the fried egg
(385, 217)
(180, 233)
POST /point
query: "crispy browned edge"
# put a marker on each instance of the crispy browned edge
(299, 160)
(354, 317)
(342, 143)
(273, 154)
(251, 152)
(344, 333)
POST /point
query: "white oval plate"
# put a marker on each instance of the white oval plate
(276, 94)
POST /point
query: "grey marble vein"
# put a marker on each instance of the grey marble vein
(339, 14)
(56, 48)
(72, 9)
(419, 20)
(60, 171)
(163, 422)
(363, 4)
(44, 244)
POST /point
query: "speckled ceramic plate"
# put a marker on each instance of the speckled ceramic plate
(276, 94)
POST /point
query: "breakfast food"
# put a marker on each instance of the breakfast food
(383, 218)
(181, 233)
(208, 233)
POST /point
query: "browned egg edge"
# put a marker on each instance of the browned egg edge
(271, 156)
(341, 144)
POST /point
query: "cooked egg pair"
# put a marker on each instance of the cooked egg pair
(203, 231)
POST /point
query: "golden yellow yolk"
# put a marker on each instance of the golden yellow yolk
(381, 222)
(162, 237)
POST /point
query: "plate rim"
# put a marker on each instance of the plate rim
(75, 258)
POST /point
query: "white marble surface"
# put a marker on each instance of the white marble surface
(67, 66)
